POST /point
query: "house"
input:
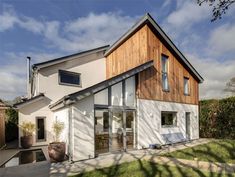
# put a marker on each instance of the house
(139, 91)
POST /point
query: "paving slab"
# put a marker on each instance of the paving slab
(66, 168)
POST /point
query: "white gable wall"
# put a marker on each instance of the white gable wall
(83, 140)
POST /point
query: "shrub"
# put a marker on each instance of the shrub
(57, 129)
(11, 124)
(217, 118)
(28, 128)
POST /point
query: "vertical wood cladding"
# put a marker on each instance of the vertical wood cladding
(131, 53)
(144, 46)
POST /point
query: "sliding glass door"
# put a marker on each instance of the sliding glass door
(130, 129)
(115, 130)
(101, 131)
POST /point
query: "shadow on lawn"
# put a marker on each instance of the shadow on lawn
(222, 152)
(148, 167)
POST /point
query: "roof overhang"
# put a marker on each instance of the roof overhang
(147, 19)
(29, 101)
(38, 66)
(74, 97)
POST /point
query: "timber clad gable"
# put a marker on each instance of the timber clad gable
(145, 45)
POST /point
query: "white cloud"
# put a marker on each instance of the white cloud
(222, 40)
(98, 29)
(83, 33)
(7, 21)
(215, 73)
(13, 74)
(187, 14)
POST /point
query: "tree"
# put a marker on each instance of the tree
(230, 86)
(219, 7)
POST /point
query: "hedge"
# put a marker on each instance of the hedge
(11, 131)
(217, 118)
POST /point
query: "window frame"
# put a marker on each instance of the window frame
(60, 71)
(45, 131)
(165, 72)
(186, 94)
(123, 82)
(174, 122)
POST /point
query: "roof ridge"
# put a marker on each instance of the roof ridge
(72, 55)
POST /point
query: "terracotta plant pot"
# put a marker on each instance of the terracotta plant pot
(26, 141)
(56, 151)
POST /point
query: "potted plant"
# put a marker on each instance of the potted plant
(56, 149)
(28, 129)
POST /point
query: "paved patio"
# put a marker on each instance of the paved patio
(66, 168)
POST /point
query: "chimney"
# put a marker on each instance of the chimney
(28, 77)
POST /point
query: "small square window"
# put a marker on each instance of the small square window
(169, 119)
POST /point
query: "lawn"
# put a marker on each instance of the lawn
(216, 151)
(147, 169)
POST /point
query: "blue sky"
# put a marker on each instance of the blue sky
(48, 29)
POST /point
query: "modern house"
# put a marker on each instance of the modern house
(139, 91)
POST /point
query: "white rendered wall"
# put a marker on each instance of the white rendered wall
(92, 72)
(62, 115)
(92, 69)
(30, 112)
(149, 130)
(83, 140)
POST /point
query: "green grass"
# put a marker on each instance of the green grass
(148, 169)
(222, 151)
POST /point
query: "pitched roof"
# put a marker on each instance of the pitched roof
(31, 100)
(147, 19)
(3, 105)
(69, 57)
(71, 98)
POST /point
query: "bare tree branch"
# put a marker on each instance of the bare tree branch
(219, 7)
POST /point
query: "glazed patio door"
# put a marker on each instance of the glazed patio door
(114, 130)
(122, 131)
(117, 132)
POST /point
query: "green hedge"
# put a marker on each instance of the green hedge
(11, 130)
(217, 118)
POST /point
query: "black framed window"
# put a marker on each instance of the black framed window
(69, 78)
(169, 119)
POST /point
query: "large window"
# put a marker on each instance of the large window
(69, 78)
(130, 91)
(165, 84)
(168, 119)
(40, 125)
(101, 98)
(117, 94)
(186, 86)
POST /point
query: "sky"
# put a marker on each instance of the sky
(47, 29)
